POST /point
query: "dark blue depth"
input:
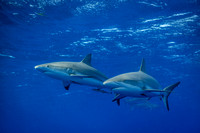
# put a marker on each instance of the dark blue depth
(118, 33)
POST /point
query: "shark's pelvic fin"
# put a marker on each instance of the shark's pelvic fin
(87, 59)
(143, 95)
(143, 66)
(66, 85)
(117, 98)
(167, 92)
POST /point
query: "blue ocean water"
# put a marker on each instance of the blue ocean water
(118, 33)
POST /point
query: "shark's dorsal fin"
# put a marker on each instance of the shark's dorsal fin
(142, 67)
(87, 59)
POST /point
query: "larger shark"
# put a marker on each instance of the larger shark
(74, 72)
(138, 84)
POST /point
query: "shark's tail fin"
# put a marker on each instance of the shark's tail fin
(167, 92)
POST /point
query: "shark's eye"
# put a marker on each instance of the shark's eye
(47, 65)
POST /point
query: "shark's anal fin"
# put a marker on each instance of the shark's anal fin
(142, 67)
(117, 98)
(149, 98)
(143, 95)
(87, 59)
(66, 85)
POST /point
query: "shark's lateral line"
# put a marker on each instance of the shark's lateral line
(138, 84)
(74, 72)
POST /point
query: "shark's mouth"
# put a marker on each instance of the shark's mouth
(46, 72)
(50, 74)
(42, 70)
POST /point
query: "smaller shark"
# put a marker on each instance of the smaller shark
(138, 84)
(140, 103)
(74, 72)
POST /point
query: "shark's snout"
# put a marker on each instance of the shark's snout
(105, 82)
(110, 84)
(36, 67)
(40, 68)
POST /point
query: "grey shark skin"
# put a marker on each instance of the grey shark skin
(138, 84)
(74, 72)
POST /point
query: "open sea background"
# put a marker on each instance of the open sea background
(118, 33)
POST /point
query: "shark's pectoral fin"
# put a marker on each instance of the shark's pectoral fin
(117, 98)
(118, 102)
(66, 85)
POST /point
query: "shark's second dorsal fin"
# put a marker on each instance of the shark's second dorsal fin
(87, 59)
(142, 67)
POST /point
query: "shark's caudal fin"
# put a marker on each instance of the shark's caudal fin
(143, 67)
(167, 92)
(87, 59)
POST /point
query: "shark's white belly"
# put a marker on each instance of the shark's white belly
(88, 81)
(57, 75)
(134, 91)
(75, 79)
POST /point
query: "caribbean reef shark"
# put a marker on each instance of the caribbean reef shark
(138, 84)
(74, 72)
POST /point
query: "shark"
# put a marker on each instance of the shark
(140, 103)
(74, 72)
(138, 84)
